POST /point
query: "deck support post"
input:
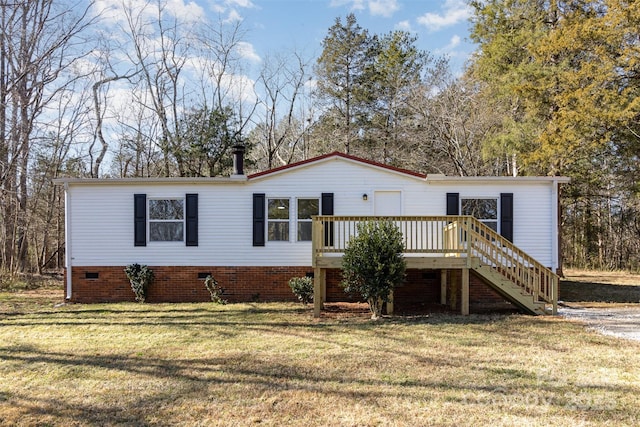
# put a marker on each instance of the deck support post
(554, 293)
(319, 285)
(323, 285)
(443, 287)
(464, 300)
(452, 282)
(390, 304)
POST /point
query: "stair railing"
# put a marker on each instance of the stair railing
(510, 261)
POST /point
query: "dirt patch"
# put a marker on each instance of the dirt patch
(345, 310)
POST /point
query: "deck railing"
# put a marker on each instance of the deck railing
(460, 236)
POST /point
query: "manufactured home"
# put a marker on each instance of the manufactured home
(471, 242)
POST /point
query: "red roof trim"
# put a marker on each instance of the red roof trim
(336, 154)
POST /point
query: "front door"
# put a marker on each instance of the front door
(387, 203)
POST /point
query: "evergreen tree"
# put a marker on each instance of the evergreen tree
(565, 76)
(344, 75)
(398, 71)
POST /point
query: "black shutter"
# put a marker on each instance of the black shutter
(140, 220)
(506, 216)
(327, 209)
(192, 220)
(327, 204)
(453, 203)
(258, 219)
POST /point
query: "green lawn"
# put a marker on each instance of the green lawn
(273, 364)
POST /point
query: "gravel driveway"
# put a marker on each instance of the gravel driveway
(621, 322)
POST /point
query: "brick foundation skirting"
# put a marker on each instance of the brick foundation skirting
(245, 284)
(186, 284)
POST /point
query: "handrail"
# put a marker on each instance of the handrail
(461, 236)
(510, 261)
(422, 234)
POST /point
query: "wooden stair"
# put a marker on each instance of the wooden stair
(450, 242)
(511, 272)
(508, 290)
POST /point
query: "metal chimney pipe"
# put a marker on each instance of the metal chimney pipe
(238, 159)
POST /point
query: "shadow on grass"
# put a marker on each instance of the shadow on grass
(235, 314)
(575, 291)
(200, 377)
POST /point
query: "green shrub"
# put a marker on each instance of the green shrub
(373, 264)
(214, 289)
(302, 287)
(140, 277)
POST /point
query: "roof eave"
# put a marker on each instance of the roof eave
(331, 157)
(444, 179)
(236, 179)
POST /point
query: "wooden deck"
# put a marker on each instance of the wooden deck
(460, 243)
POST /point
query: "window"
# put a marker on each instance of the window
(278, 220)
(281, 218)
(306, 208)
(486, 210)
(166, 220)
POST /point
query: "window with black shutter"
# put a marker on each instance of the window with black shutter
(258, 219)
(140, 220)
(192, 220)
(159, 219)
(506, 216)
(453, 204)
(327, 209)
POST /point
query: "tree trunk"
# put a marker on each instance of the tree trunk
(375, 305)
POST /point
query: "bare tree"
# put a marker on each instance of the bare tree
(159, 53)
(39, 44)
(281, 125)
(174, 68)
(54, 155)
(99, 91)
(223, 82)
(450, 128)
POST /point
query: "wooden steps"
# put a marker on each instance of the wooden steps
(507, 289)
(451, 242)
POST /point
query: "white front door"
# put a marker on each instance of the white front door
(387, 203)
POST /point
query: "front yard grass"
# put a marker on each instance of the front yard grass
(589, 288)
(273, 364)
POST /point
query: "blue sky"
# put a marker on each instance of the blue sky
(283, 26)
(273, 26)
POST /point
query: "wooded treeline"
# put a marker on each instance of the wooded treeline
(136, 90)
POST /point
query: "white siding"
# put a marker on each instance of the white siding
(532, 212)
(102, 215)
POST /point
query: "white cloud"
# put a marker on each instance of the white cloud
(454, 42)
(234, 16)
(231, 9)
(384, 8)
(189, 12)
(453, 12)
(112, 11)
(247, 51)
(240, 3)
(456, 52)
(450, 48)
(404, 26)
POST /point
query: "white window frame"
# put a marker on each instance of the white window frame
(278, 220)
(299, 221)
(484, 220)
(293, 221)
(151, 220)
